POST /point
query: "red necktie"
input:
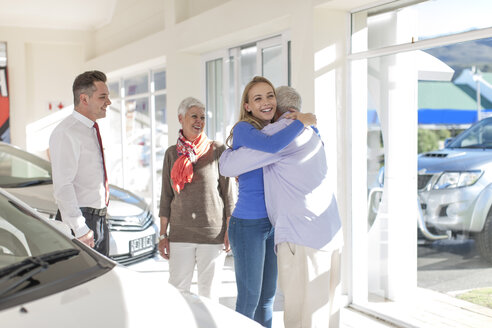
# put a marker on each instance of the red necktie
(106, 186)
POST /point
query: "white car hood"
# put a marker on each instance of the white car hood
(123, 298)
(122, 209)
(38, 197)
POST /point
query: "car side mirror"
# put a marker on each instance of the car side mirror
(447, 141)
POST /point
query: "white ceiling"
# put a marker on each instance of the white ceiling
(89, 14)
(57, 14)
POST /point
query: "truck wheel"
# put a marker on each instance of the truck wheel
(483, 240)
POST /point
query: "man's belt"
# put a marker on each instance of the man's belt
(94, 211)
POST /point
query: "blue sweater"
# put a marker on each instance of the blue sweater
(251, 198)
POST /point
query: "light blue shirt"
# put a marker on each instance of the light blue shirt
(251, 198)
(299, 198)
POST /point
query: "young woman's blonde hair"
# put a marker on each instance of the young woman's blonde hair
(246, 116)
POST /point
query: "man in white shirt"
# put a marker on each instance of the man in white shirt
(77, 161)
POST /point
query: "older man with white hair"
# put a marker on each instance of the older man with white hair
(304, 212)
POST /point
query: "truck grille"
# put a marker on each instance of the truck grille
(423, 180)
(127, 259)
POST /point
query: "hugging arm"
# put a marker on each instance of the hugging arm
(254, 149)
(236, 162)
(246, 135)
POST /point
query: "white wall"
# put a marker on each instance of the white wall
(132, 20)
(42, 64)
(224, 25)
(329, 77)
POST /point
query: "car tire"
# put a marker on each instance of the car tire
(483, 240)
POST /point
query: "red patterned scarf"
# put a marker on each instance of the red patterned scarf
(189, 153)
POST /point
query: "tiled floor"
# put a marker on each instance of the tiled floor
(434, 310)
(349, 317)
(429, 310)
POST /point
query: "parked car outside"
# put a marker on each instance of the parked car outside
(50, 280)
(133, 232)
(455, 186)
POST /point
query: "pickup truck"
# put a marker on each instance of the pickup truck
(455, 187)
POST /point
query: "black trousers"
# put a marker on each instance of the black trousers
(96, 221)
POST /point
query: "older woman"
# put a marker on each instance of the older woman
(196, 203)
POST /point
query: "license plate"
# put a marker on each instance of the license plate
(141, 245)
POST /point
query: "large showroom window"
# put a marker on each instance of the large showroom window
(227, 72)
(138, 125)
(417, 70)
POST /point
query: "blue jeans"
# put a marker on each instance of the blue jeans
(255, 264)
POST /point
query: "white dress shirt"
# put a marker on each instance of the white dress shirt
(77, 169)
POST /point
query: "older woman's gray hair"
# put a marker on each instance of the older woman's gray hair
(187, 103)
(288, 97)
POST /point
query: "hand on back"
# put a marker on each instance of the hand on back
(307, 119)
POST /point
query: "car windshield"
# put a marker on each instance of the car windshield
(21, 169)
(23, 236)
(38, 260)
(478, 135)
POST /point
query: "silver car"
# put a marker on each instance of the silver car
(133, 231)
(455, 187)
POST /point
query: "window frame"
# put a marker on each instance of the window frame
(150, 94)
(231, 79)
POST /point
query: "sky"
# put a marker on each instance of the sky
(454, 16)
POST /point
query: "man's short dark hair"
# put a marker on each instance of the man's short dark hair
(84, 84)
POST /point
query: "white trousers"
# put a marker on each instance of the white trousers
(209, 260)
(310, 281)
